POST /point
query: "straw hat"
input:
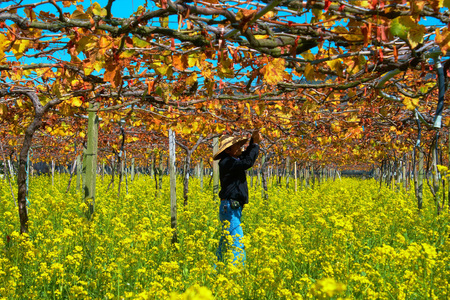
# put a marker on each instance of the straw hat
(228, 141)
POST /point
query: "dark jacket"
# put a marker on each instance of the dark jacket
(233, 181)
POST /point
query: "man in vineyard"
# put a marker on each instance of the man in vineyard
(234, 189)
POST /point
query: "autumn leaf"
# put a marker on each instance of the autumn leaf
(193, 60)
(75, 101)
(88, 68)
(127, 54)
(86, 43)
(308, 55)
(274, 71)
(191, 79)
(244, 16)
(112, 74)
(207, 70)
(140, 43)
(415, 35)
(3, 43)
(309, 72)
(337, 66)
(443, 40)
(225, 68)
(79, 14)
(19, 48)
(164, 22)
(69, 3)
(98, 10)
(180, 62)
(401, 25)
(3, 109)
(411, 103)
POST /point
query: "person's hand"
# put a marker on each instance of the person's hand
(256, 136)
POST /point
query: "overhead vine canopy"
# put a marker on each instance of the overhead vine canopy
(325, 80)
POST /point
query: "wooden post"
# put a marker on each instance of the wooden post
(404, 175)
(11, 170)
(90, 158)
(160, 170)
(201, 173)
(152, 165)
(306, 172)
(53, 172)
(79, 171)
(295, 177)
(420, 180)
(288, 170)
(133, 172)
(436, 179)
(215, 170)
(264, 171)
(173, 183)
(103, 170)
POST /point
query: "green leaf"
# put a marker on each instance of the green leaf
(401, 25)
(139, 43)
(159, 91)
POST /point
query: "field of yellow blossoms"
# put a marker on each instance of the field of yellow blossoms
(343, 239)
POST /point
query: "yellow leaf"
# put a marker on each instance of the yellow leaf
(88, 69)
(192, 60)
(269, 15)
(127, 54)
(411, 103)
(3, 109)
(337, 66)
(19, 48)
(186, 130)
(98, 65)
(261, 37)
(98, 10)
(309, 72)
(164, 21)
(191, 79)
(308, 55)
(82, 135)
(206, 70)
(76, 101)
(274, 71)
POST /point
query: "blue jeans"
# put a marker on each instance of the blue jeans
(233, 216)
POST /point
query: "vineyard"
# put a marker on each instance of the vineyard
(110, 113)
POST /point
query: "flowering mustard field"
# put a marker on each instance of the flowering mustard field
(341, 240)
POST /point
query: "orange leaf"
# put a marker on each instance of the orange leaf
(112, 74)
(180, 62)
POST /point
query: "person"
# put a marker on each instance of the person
(234, 190)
